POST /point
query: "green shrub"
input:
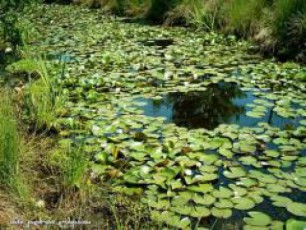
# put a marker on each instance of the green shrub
(9, 142)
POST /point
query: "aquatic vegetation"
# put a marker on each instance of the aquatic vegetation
(277, 26)
(198, 128)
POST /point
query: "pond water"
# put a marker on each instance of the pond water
(222, 103)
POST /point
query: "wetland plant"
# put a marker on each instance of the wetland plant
(74, 167)
(43, 99)
(9, 142)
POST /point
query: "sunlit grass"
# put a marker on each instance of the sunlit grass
(43, 100)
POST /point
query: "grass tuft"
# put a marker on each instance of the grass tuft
(42, 100)
(9, 142)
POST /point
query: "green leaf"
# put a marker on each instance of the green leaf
(235, 172)
(292, 224)
(297, 209)
(257, 219)
(221, 212)
(242, 203)
(200, 211)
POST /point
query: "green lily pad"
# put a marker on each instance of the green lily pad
(297, 209)
(243, 203)
(292, 224)
(259, 219)
(221, 212)
(235, 172)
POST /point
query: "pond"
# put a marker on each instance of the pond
(201, 131)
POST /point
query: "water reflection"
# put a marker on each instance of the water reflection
(205, 109)
(220, 103)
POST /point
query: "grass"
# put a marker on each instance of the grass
(241, 18)
(42, 99)
(9, 142)
(289, 24)
(197, 13)
(74, 167)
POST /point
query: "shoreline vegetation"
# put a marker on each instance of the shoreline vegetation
(278, 27)
(47, 179)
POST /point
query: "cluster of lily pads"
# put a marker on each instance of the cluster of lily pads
(188, 177)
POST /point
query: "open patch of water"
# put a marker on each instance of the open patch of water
(162, 43)
(222, 103)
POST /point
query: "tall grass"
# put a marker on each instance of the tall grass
(289, 23)
(198, 13)
(241, 17)
(43, 98)
(74, 167)
(9, 142)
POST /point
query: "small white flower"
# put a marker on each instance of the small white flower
(95, 129)
(8, 50)
(186, 83)
(103, 145)
(145, 169)
(119, 131)
(188, 172)
(168, 75)
(117, 90)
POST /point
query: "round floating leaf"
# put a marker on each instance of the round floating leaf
(222, 193)
(277, 225)
(247, 182)
(257, 219)
(297, 209)
(200, 211)
(242, 203)
(221, 212)
(206, 200)
(203, 188)
(235, 172)
(182, 209)
(224, 203)
(292, 224)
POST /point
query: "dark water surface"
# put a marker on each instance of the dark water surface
(222, 103)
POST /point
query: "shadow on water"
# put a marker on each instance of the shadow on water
(162, 43)
(222, 103)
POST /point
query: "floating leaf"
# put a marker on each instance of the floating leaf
(257, 219)
(242, 203)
